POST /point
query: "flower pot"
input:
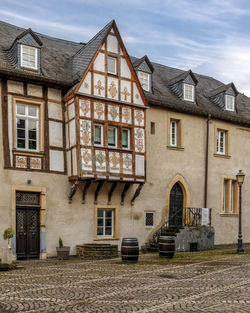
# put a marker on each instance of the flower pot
(63, 253)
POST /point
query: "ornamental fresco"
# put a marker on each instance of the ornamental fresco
(84, 108)
(99, 111)
(21, 161)
(86, 158)
(126, 93)
(113, 113)
(85, 133)
(139, 118)
(99, 87)
(100, 160)
(114, 162)
(139, 140)
(112, 89)
(127, 163)
(36, 163)
(126, 115)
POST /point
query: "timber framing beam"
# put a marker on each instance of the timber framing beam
(112, 189)
(98, 188)
(73, 190)
(137, 192)
(125, 189)
(86, 187)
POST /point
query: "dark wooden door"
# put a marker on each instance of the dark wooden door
(28, 233)
(176, 206)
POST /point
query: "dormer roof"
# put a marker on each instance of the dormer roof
(187, 77)
(227, 89)
(143, 64)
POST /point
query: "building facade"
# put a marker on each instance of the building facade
(97, 145)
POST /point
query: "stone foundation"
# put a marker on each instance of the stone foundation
(97, 251)
(200, 238)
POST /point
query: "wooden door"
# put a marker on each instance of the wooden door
(176, 206)
(28, 233)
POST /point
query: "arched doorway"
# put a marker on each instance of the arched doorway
(176, 206)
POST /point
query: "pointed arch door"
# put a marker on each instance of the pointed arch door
(176, 206)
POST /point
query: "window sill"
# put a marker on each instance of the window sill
(222, 156)
(230, 214)
(175, 148)
(106, 238)
(27, 152)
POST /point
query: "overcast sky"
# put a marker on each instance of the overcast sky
(211, 37)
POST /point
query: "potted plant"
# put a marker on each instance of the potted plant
(7, 256)
(62, 252)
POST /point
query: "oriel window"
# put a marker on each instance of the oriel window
(98, 134)
(27, 127)
(125, 138)
(112, 136)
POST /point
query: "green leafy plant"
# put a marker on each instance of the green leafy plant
(60, 242)
(8, 234)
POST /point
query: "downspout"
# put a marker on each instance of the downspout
(206, 161)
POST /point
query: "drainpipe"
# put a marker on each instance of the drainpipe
(206, 161)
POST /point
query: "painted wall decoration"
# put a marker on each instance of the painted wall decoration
(126, 115)
(36, 163)
(127, 163)
(113, 113)
(100, 160)
(21, 161)
(112, 89)
(139, 118)
(85, 132)
(114, 162)
(99, 87)
(125, 93)
(85, 86)
(99, 111)
(86, 159)
(139, 140)
(84, 108)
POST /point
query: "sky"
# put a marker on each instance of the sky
(210, 37)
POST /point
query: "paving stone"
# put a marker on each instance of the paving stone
(108, 286)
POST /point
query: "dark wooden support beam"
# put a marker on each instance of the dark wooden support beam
(98, 188)
(112, 189)
(136, 194)
(125, 189)
(86, 187)
(73, 190)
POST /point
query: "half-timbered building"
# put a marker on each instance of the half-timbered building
(97, 145)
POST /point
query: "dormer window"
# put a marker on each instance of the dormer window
(230, 103)
(188, 92)
(29, 57)
(144, 79)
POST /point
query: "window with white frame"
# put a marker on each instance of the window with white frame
(230, 103)
(149, 219)
(173, 133)
(112, 136)
(188, 92)
(29, 57)
(105, 222)
(144, 79)
(27, 127)
(125, 138)
(112, 65)
(221, 141)
(98, 134)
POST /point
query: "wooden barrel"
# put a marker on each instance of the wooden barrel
(166, 246)
(130, 250)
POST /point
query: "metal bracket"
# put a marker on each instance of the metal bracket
(137, 192)
(98, 188)
(86, 187)
(73, 190)
(112, 189)
(125, 189)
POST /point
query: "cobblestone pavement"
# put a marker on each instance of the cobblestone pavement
(221, 285)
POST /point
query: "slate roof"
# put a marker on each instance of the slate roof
(64, 62)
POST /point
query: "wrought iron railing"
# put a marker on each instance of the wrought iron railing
(182, 217)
